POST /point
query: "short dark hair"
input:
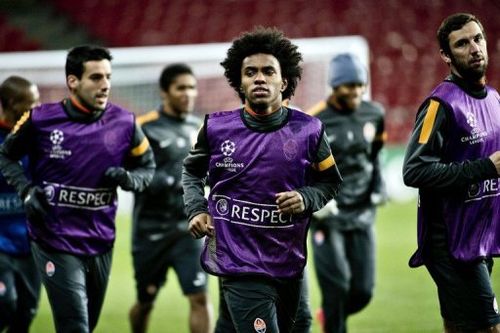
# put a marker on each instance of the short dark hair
(77, 56)
(170, 72)
(452, 23)
(267, 41)
(12, 90)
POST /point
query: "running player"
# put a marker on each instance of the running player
(343, 232)
(80, 150)
(19, 280)
(268, 167)
(453, 158)
(160, 238)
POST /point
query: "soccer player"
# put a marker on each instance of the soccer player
(453, 158)
(160, 238)
(343, 232)
(80, 149)
(268, 168)
(19, 280)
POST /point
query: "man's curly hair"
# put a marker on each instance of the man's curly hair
(268, 41)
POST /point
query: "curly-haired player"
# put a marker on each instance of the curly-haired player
(278, 170)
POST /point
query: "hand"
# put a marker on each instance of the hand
(118, 176)
(495, 158)
(378, 199)
(328, 210)
(201, 225)
(36, 205)
(290, 202)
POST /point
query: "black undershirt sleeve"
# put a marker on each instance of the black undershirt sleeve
(325, 183)
(141, 167)
(14, 147)
(194, 174)
(424, 167)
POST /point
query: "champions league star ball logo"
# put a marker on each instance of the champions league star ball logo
(228, 147)
(56, 137)
(471, 119)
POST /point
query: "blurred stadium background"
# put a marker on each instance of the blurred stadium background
(404, 61)
(396, 39)
(402, 52)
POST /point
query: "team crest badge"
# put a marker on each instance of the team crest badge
(495, 304)
(369, 132)
(259, 325)
(50, 268)
(319, 237)
(3, 288)
(151, 289)
(290, 149)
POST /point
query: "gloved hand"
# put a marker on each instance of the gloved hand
(328, 210)
(36, 205)
(118, 176)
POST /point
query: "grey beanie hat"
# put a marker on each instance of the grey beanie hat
(346, 68)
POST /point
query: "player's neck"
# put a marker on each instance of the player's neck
(169, 111)
(261, 113)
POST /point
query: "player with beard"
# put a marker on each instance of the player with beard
(453, 158)
(79, 149)
(343, 232)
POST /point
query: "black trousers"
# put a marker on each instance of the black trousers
(345, 266)
(258, 304)
(466, 297)
(19, 292)
(75, 287)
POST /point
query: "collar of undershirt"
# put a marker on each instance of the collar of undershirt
(473, 90)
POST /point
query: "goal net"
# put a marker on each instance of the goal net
(136, 72)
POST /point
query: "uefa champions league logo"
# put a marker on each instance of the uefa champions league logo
(222, 207)
(477, 134)
(56, 137)
(471, 119)
(228, 147)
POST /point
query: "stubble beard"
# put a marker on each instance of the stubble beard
(469, 73)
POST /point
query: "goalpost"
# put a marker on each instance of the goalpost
(136, 72)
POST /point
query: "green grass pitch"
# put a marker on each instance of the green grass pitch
(405, 299)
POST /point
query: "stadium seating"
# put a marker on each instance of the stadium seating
(404, 55)
(14, 39)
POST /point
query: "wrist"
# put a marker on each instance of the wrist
(24, 191)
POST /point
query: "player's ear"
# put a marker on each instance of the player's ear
(284, 84)
(72, 81)
(446, 58)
